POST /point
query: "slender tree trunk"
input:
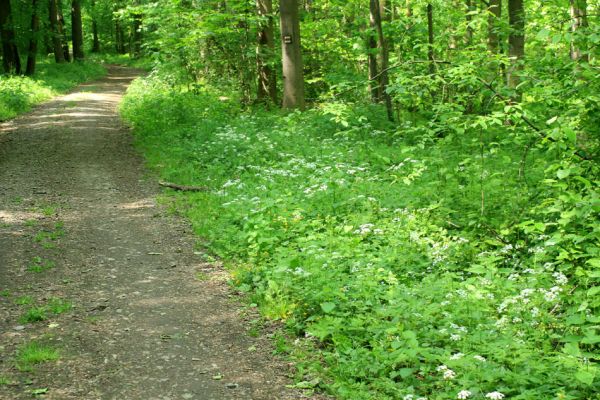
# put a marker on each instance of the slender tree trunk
(11, 61)
(516, 42)
(33, 40)
(95, 39)
(494, 15)
(267, 79)
(430, 53)
(382, 46)
(119, 38)
(469, 19)
(293, 76)
(137, 35)
(374, 86)
(62, 31)
(77, 30)
(578, 11)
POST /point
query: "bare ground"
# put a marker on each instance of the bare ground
(150, 319)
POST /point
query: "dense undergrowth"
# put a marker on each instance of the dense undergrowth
(419, 264)
(19, 93)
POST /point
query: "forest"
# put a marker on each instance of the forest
(410, 187)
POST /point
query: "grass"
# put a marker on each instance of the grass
(4, 381)
(54, 306)
(34, 314)
(24, 300)
(39, 264)
(47, 238)
(34, 353)
(18, 93)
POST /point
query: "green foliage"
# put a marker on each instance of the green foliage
(54, 306)
(18, 93)
(34, 353)
(451, 253)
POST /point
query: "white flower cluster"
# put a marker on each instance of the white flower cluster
(494, 396)
(463, 394)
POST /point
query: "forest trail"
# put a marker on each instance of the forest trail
(79, 224)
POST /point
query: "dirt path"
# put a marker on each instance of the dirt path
(79, 224)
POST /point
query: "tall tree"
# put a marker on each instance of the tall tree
(516, 41)
(33, 40)
(382, 47)
(95, 38)
(137, 34)
(494, 15)
(77, 30)
(469, 20)
(267, 79)
(62, 31)
(430, 38)
(293, 75)
(372, 49)
(55, 32)
(11, 61)
(578, 11)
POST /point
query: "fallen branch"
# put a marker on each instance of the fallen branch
(183, 188)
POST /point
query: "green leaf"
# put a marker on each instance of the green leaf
(593, 291)
(563, 173)
(572, 349)
(585, 376)
(551, 120)
(327, 307)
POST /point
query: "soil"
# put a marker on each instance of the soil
(79, 221)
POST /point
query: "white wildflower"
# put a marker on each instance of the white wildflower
(449, 374)
(463, 394)
(480, 358)
(457, 356)
(455, 337)
(495, 396)
(561, 279)
(441, 368)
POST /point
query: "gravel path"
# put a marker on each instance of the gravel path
(151, 319)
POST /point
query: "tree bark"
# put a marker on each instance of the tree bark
(516, 41)
(374, 86)
(469, 19)
(120, 38)
(382, 47)
(578, 11)
(494, 15)
(293, 76)
(137, 34)
(77, 30)
(430, 43)
(33, 40)
(267, 79)
(11, 61)
(62, 31)
(95, 39)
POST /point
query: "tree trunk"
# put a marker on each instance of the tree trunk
(62, 31)
(293, 77)
(383, 57)
(469, 19)
(137, 35)
(430, 54)
(578, 11)
(77, 30)
(494, 15)
(11, 61)
(267, 79)
(119, 38)
(516, 41)
(374, 87)
(33, 40)
(95, 39)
